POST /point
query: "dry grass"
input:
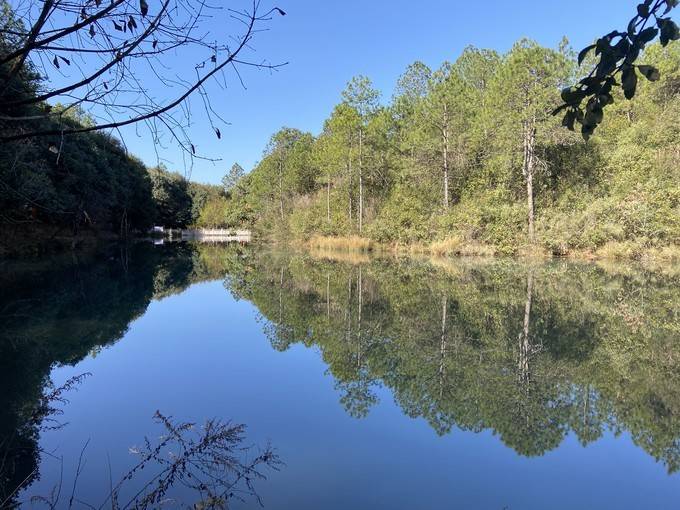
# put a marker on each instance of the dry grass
(447, 247)
(631, 251)
(667, 254)
(619, 251)
(455, 246)
(536, 251)
(353, 243)
(354, 258)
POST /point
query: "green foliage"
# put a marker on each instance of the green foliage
(230, 180)
(447, 159)
(201, 194)
(214, 213)
(171, 197)
(618, 53)
(81, 181)
(92, 182)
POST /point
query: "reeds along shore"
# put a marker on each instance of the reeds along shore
(457, 247)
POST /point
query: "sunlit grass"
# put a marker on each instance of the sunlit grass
(352, 243)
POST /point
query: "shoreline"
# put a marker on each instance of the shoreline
(626, 251)
(43, 241)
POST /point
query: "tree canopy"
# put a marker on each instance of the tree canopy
(466, 158)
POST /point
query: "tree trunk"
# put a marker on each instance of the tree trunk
(281, 298)
(524, 343)
(281, 188)
(361, 305)
(445, 138)
(349, 181)
(348, 313)
(361, 181)
(328, 199)
(328, 296)
(528, 171)
(442, 347)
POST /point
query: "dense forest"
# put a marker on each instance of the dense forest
(63, 185)
(464, 159)
(468, 159)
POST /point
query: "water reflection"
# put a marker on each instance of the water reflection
(56, 312)
(532, 352)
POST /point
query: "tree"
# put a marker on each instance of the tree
(468, 160)
(445, 114)
(360, 95)
(524, 88)
(171, 196)
(214, 213)
(412, 88)
(230, 180)
(339, 131)
(477, 69)
(201, 195)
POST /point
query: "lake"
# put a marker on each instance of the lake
(378, 382)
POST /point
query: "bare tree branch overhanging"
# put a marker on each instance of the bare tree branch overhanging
(121, 62)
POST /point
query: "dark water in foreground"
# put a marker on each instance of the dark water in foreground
(380, 383)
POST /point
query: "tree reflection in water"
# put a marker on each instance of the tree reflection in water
(532, 352)
(56, 312)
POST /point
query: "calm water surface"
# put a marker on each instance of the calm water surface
(380, 383)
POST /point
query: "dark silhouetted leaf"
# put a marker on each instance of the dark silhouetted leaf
(573, 95)
(670, 4)
(587, 131)
(584, 53)
(648, 34)
(669, 31)
(629, 81)
(649, 72)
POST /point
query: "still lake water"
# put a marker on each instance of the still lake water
(381, 383)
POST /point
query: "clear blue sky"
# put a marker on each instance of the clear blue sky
(328, 42)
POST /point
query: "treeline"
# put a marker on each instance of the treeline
(89, 181)
(469, 157)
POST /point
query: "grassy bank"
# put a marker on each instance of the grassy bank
(458, 247)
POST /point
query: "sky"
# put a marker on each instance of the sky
(327, 42)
